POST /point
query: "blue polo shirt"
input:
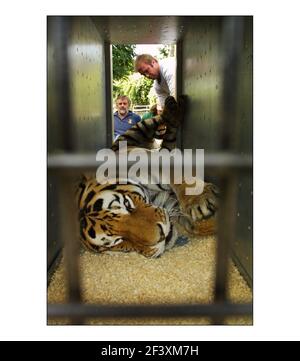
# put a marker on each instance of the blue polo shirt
(121, 125)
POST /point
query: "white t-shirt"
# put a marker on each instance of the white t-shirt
(167, 83)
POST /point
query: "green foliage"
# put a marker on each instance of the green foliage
(166, 51)
(135, 87)
(122, 57)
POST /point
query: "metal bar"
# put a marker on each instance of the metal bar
(226, 234)
(106, 311)
(61, 35)
(69, 225)
(232, 42)
(217, 161)
(179, 60)
(108, 93)
(70, 232)
(232, 37)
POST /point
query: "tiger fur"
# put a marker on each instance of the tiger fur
(143, 217)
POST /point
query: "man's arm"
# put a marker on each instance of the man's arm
(161, 95)
(170, 77)
(168, 73)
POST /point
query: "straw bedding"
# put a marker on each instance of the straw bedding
(185, 274)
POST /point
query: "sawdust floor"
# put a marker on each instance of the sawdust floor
(185, 274)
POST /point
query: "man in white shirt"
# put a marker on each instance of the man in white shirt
(163, 73)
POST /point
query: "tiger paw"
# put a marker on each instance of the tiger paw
(171, 112)
(203, 206)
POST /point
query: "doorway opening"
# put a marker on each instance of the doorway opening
(142, 100)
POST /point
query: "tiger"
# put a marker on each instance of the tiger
(135, 217)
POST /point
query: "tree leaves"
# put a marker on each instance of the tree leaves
(122, 56)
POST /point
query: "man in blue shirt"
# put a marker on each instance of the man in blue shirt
(123, 117)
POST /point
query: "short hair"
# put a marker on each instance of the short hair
(123, 97)
(147, 58)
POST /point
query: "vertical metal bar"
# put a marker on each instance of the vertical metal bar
(232, 43)
(70, 235)
(70, 232)
(62, 30)
(69, 224)
(179, 58)
(108, 93)
(232, 36)
(226, 234)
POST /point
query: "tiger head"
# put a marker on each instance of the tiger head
(119, 217)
